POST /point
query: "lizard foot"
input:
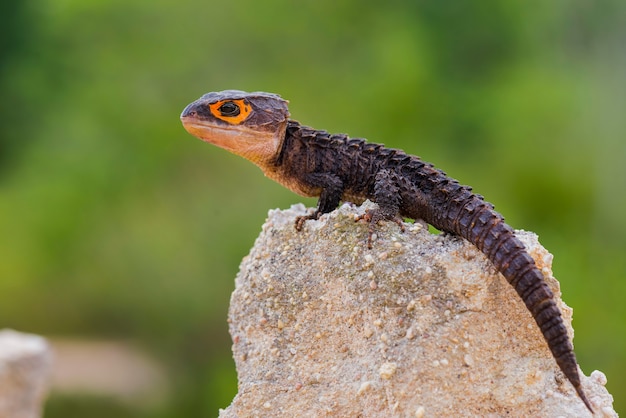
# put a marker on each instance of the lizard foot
(300, 220)
(375, 216)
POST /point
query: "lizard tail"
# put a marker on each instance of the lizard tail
(470, 217)
(522, 273)
(488, 231)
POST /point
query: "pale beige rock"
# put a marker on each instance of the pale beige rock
(25, 363)
(419, 326)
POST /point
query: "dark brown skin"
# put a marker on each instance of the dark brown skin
(337, 168)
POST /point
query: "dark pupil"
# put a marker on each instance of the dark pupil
(229, 109)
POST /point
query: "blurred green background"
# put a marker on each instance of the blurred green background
(117, 225)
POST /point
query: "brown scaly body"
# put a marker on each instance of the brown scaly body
(337, 168)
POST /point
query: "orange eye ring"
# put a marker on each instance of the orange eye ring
(231, 111)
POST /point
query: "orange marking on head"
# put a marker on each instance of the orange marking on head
(231, 111)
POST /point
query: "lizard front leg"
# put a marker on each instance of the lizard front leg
(387, 196)
(330, 196)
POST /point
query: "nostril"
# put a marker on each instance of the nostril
(189, 111)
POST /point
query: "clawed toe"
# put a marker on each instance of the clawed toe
(300, 220)
(375, 216)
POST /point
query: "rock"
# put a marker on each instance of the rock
(25, 364)
(419, 326)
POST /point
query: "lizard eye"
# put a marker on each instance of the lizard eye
(232, 111)
(229, 109)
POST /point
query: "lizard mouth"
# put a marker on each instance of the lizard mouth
(208, 131)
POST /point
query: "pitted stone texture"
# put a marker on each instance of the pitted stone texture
(420, 325)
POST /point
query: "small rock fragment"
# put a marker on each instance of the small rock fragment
(387, 370)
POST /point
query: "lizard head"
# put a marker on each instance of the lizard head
(251, 125)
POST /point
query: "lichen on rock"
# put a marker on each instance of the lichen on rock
(420, 325)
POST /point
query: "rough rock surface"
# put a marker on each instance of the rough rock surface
(419, 326)
(25, 364)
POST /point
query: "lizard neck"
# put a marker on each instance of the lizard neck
(289, 164)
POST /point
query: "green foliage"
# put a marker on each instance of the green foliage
(114, 222)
